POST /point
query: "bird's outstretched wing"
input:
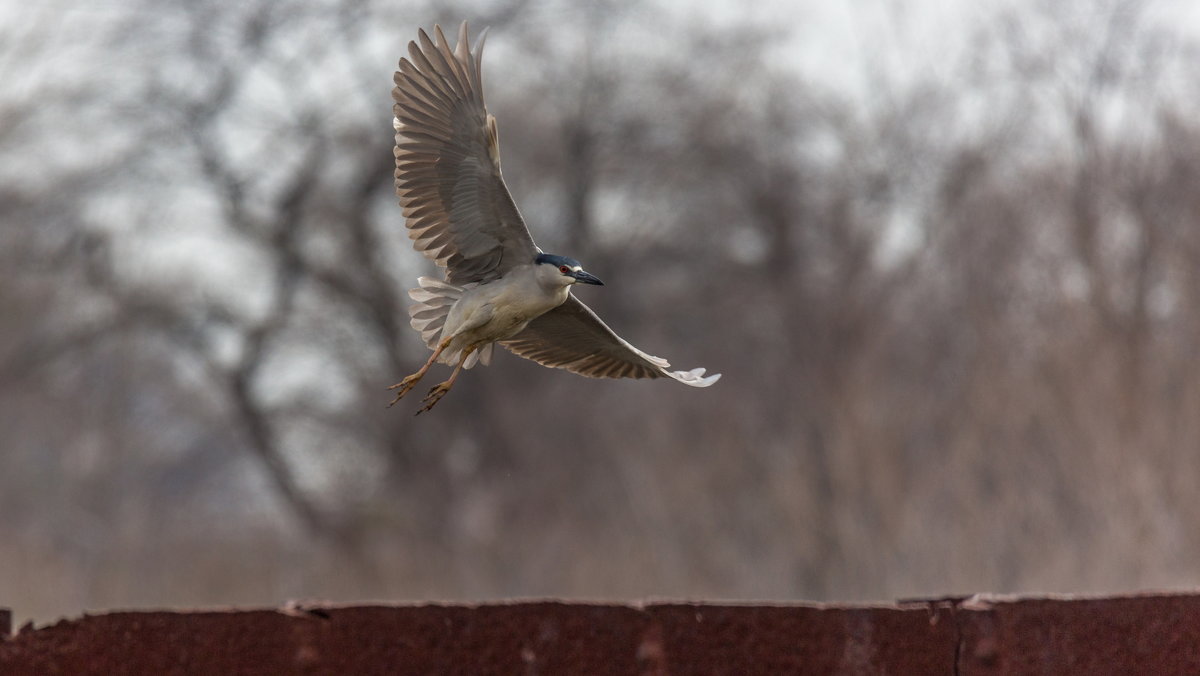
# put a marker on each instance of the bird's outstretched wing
(572, 337)
(458, 211)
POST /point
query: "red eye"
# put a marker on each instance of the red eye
(564, 269)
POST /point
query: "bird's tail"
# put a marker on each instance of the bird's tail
(434, 299)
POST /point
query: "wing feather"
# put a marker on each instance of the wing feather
(572, 337)
(457, 208)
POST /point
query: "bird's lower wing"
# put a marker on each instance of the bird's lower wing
(572, 337)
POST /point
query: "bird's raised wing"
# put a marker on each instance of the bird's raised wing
(572, 337)
(458, 211)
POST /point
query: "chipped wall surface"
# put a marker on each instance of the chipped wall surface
(980, 635)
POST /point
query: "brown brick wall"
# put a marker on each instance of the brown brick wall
(982, 635)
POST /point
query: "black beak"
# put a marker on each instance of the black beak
(587, 278)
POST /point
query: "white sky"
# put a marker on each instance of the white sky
(837, 42)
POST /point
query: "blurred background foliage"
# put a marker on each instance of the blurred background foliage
(953, 290)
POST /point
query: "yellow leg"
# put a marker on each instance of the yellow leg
(435, 395)
(411, 381)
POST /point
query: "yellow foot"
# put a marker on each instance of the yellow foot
(435, 395)
(405, 386)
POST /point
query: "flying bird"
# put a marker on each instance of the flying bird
(499, 287)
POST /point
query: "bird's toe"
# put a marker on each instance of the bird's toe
(435, 395)
(403, 387)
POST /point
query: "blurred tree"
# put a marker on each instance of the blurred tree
(957, 318)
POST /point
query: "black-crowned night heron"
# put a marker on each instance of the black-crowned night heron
(500, 287)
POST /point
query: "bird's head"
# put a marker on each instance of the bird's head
(563, 271)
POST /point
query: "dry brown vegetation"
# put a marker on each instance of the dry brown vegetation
(958, 322)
